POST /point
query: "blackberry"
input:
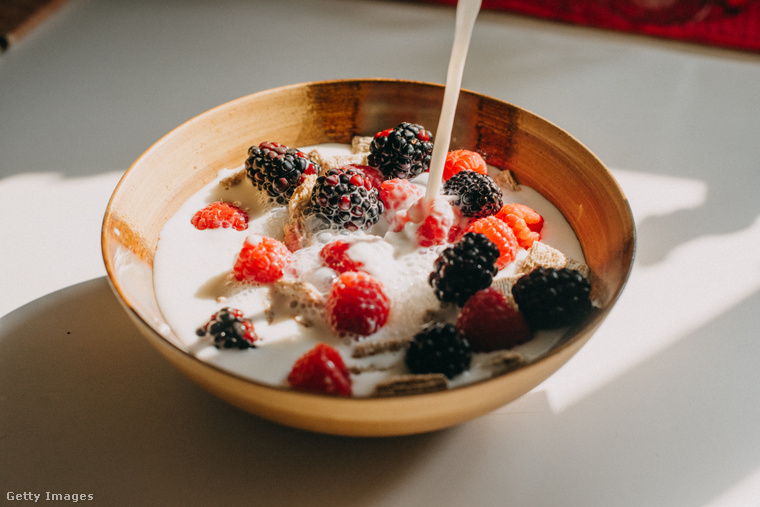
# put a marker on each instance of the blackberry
(551, 298)
(345, 198)
(476, 195)
(278, 169)
(229, 329)
(438, 348)
(464, 268)
(402, 152)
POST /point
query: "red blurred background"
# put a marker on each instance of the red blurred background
(731, 24)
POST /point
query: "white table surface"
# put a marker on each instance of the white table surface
(660, 408)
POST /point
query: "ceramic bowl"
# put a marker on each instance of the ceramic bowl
(540, 154)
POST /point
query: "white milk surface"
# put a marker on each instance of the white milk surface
(193, 279)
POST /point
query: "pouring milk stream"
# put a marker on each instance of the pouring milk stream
(467, 11)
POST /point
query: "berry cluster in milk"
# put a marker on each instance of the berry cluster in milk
(328, 269)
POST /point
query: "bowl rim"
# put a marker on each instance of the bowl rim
(568, 340)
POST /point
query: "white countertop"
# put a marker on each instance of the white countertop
(660, 408)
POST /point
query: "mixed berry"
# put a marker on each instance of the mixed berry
(500, 234)
(278, 169)
(262, 259)
(464, 268)
(551, 298)
(475, 194)
(335, 256)
(357, 304)
(438, 348)
(472, 232)
(402, 152)
(345, 198)
(398, 195)
(321, 370)
(490, 323)
(463, 160)
(229, 329)
(439, 218)
(220, 214)
(525, 223)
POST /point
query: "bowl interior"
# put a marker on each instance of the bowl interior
(540, 155)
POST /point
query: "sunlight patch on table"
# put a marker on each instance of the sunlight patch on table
(55, 221)
(744, 492)
(698, 281)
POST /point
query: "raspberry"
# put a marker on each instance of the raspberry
(229, 329)
(500, 234)
(489, 322)
(401, 152)
(335, 256)
(464, 268)
(475, 194)
(551, 298)
(457, 231)
(463, 160)
(220, 214)
(345, 198)
(439, 219)
(262, 259)
(438, 348)
(398, 195)
(357, 304)
(524, 221)
(533, 220)
(278, 169)
(321, 370)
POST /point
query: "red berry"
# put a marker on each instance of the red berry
(458, 229)
(455, 233)
(262, 259)
(335, 255)
(357, 304)
(525, 222)
(489, 322)
(463, 160)
(499, 233)
(371, 174)
(398, 194)
(321, 370)
(220, 214)
(439, 219)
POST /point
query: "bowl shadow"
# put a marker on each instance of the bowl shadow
(88, 406)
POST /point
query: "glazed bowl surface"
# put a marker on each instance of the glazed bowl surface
(540, 155)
